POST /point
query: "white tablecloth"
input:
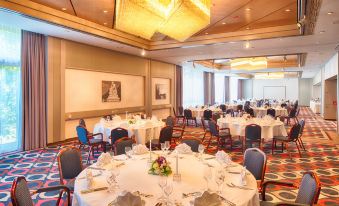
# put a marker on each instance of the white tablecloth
(199, 112)
(142, 129)
(315, 106)
(262, 111)
(268, 130)
(134, 177)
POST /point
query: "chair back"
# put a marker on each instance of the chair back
(207, 114)
(188, 114)
(302, 124)
(181, 110)
(82, 135)
(118, 133)
(120, 144)
(298, 110)
(271, 112)
(166, 134)
(20, 194)
(170, 121)
(250, 111)
(213, 128)
(239, 107)
(255, 161)
(292, 113)
(223, 107)
(204, 123)
(294, 132)
(253, 132)
(283, 105)
(69, 163)
(230, 111)
(309, 189)
(295, 105)
(192, 142)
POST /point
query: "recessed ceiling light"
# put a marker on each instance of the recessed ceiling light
(330, 13)
(105, 23)
(321, 32)
(105, 11)
(247, 45)
(206, 33)
(64, 9)
(143, 52)
(248, 9)
(223, 23)
(248, 28)
(287, 10)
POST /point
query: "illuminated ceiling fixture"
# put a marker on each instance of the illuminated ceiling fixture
(249, 63)
(272, 75)
(178, 19)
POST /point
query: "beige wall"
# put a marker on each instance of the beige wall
(64, 55)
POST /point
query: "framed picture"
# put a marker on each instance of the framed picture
(160, 91)
(111, 91)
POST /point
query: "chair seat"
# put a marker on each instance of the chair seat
(282, 138)
(176, 135)
(95, 141)
(224, 134)
(70, 185)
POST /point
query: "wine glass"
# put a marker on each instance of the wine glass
(162, 182)
(167, 145)
(163, 147)
(128, 151)
(219, 179)
(168, 189)
(207, 176)
(116, 173)
(111, 181)
(201, 149)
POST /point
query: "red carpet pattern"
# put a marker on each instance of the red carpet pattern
(40, 166)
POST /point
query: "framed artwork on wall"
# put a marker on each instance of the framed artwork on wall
(111, 91)
(160, 91)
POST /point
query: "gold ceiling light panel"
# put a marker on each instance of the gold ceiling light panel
(178, 19)
(249, 63)
(271, 75)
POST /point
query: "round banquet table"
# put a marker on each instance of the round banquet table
(134, 177)
(262, 111)
(199, 112)
(237, 126)
(142, 129)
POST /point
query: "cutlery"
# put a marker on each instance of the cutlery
(184, 195)
(209, 158)
(93, 190)
(227, 201)
(237, 172)
(96, 168)
(208, 164)
(158, 204)
(97, 175)
(239, 187)
(142, 194)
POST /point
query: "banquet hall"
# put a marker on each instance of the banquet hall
(169, 102)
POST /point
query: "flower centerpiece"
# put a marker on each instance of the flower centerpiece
(160, 166)
(132, 121)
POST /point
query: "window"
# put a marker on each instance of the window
(193, 86)
(233, 88)
(10, 89)
(219, 81)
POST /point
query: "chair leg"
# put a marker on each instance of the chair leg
(296, 143)
(274, 143)
(282, 146)
(209, 142)
(287, 148)
(231, 143)
(89, 154)
(302, 144)
(203, 138)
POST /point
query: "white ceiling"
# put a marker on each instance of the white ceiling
(319, 47)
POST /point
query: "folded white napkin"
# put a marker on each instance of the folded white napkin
(210, 199)
(104, 159)
(128, 199)
(183, 149)
(223, 157)
(140, 149)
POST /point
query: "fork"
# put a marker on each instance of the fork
(227, 201)
(239, 187)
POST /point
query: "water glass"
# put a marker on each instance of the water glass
(162, 182)
(167, 145)
(207, 176)
(128, 151)
(163, 147)
(219, 179)
(201, 149)
(116, 173)
(168, 189)
(111, 181)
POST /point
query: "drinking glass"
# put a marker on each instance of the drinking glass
(167, 145)
(162, 182)
(128, 151)
(219, 179)
(207, 176)
(201, 149)
(111, 182)
(168, 189)
(116, 173)
(163, 147)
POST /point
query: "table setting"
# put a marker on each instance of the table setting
(178, 177)
(137, 127)
(262, 111)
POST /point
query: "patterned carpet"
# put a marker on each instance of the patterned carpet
(322, 156)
